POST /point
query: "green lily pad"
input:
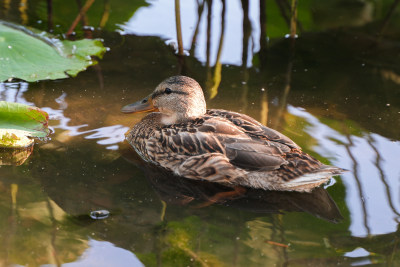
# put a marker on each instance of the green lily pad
(31, 56)
(22, 120)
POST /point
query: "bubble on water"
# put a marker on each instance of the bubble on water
(99, 214)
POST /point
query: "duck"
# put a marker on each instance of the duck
(181, 135)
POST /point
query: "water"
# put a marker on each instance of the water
(335, 92)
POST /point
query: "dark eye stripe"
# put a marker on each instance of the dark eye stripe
(155, 94)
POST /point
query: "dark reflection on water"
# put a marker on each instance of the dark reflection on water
(334, 91)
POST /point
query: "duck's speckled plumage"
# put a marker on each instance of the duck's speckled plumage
(222, 146)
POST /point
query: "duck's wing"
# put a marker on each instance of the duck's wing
(252, 127)
(214, 144)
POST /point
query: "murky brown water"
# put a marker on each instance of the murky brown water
(335, 92)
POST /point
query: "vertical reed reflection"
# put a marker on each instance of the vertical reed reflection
(208, 44)
(264, 107)
(388, 16)
(54, 253)
(378, 162)
(180, 55)
(213, 90)
(263, 32)
(293, 19)
(50, 15)
(23, 7)
(6, 6)
(263, 54)
(360, 190)
(178, 27)
(245, 53)
(105, 15)
(288, 79)
(200, 9)
(81, 17)
(283, 5)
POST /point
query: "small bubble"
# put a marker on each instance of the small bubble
(99, 214)
(388, 105)
(305, 70)
(363, 65)
(262, 89)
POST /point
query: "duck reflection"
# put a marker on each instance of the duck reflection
(177, 190)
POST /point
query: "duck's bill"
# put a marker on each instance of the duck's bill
(144, 105)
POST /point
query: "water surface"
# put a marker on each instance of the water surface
(334, 91)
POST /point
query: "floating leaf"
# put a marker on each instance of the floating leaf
(30, 56)
(23, 119)
(18, 122)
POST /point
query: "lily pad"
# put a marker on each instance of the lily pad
(31, 56)
(23, 120)
(19, 122)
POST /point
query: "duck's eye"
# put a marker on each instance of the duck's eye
(144, 101)
(168, 90)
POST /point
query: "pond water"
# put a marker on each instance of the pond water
(335, 90)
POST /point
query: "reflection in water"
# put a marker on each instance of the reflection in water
(104, 254)
(371, 208)
(181, 191)
(335, 93)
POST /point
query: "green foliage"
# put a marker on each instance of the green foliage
(107, 15)
(30, 56)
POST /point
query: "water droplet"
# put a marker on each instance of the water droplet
(99, 214)
(262, 89)
(388, 105)
(10, 47)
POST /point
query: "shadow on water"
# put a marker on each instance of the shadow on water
(333, 90)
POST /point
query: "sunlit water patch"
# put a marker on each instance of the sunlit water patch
(372, 183)
(143, 23)
(105, 254)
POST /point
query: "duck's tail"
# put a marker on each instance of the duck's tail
(308, 181)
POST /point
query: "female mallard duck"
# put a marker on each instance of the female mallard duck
(218, 145)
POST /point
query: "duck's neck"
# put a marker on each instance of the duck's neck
(169, 117)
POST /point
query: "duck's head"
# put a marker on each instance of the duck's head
(177, 98)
